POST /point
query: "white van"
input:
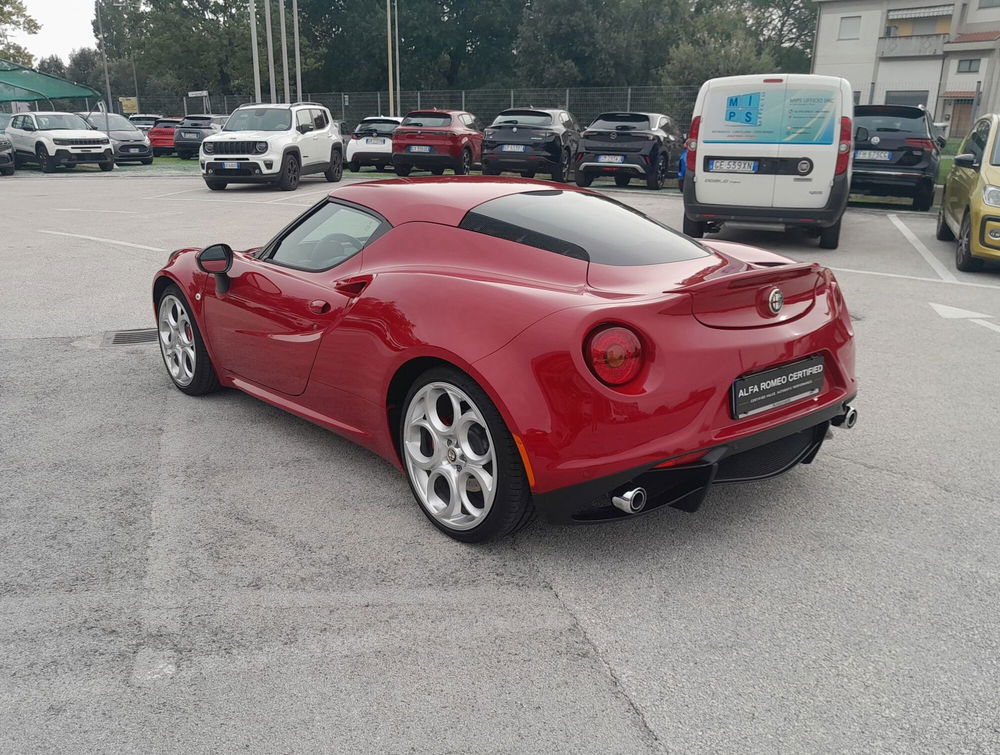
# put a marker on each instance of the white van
(770, 151)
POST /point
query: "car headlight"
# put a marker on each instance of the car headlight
(60, 142)
(145, 140)
(208, 147)
(260, 147)
(105, 140)
(489, 133)
(991, 196)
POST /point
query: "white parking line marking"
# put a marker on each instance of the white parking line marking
(913, 278)
(106, 241)
(80, 209)
(171, 194)
(954, 313)
(943, 273)
(990, 325)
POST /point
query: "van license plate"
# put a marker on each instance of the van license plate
(770, 389)
(872, 154)
(732, 166)
(512, 148)
(419, 148)
(611, 158)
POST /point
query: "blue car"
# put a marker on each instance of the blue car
(682, 169)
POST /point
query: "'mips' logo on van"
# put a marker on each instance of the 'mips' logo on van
(744, 108)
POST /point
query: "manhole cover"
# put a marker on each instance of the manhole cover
(128, 337)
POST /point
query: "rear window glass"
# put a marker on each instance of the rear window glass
(621, 121)
(523, 118)
(165, 124)
(378, 127)
(892, 121)
(430, 120)
(583, 226)
(197, 123)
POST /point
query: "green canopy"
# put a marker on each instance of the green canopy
(20, 84)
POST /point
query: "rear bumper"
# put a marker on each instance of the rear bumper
(369, 157)
(633, 164)
(424, 159)
(519, 161)
(752, 457)
(894, 182)
(819, 217)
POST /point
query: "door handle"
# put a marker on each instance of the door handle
(352, 287)
(319, 307)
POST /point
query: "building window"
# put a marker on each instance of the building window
(924, 26)
(891, 31)
(914, 97)
(850, 27)
(989, 3)
(969, 65)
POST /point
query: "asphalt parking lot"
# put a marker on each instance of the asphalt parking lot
(181, 574)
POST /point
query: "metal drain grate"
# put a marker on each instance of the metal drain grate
(128, 337)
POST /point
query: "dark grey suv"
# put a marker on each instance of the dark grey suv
(896, 153)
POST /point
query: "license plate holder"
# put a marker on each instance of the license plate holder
(733, 166)
(872, 154)
(776, 387)
(512, 147)
(419, 148)
(611, 158)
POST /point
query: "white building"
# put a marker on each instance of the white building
(943, 56)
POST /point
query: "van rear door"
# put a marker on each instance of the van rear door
(810, 130)
(738, 140)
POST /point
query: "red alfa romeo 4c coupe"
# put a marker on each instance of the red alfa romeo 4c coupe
(515, 346)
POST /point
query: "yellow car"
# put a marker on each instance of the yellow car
(970, 206)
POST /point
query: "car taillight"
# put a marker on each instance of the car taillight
(692, 144)
(920, 143)
(614, 354)
(844, 148)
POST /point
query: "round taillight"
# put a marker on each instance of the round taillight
(614, 353)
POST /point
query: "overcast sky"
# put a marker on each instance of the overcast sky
(65, 27)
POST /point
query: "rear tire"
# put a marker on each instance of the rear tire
(335, 171)
(288, 179)
(656, 178)
(964, 260)
(923, 200)
(490, 171)
(427, 424)
(943, 232)
(829, 238)
(622, 181)
(583, 178)
(527, 174)
(561, 171)
(693, 228)
(403, 170)
(464, 166)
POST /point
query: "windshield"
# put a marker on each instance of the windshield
(115, 122)
(523, 118)
(260, 119)
(429, 120)
(621, 122)
(61, 122)
(583, 226)
(379, 127)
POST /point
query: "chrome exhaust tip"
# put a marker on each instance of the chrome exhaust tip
(631, 502)
(848, 419)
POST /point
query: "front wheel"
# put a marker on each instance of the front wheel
(437, 171)
(561, 172)
(923, 199)
(656, 178)
(181, 345)
(215, 185)
(464, 166)
(147, 161)
(693, 228)
(460, 459)
(964, 260)
(46, 163)
(288, 178)
(185, 155)
(354, 166)
(7, 171)
(107, 165)
(489, 170)
(335, 170)
(943, 231)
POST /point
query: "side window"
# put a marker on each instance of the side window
(476, 124)
(319, 119)
(303, 118)
(332, 234)
(976, 143)
(16, 122)
(465, 119)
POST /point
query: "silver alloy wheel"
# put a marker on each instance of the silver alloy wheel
(962, 248)
(449, 456)
(176, 339)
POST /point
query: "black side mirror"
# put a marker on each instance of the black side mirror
(861, 134)
(216, 260)
(965, 161)
(305, 128)
(27, 127)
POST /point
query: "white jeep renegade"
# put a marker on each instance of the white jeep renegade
(273, 143)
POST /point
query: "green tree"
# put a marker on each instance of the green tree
(717, 45)
(14, 17)
(53, 65)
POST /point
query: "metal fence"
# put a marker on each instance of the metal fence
(584, 103)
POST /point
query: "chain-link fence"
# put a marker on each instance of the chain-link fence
(584, 103)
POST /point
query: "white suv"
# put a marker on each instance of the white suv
(273, 143)
(52, 139)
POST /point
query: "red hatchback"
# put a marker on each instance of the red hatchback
(514, 346)
(161, 135)
(437, 140)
